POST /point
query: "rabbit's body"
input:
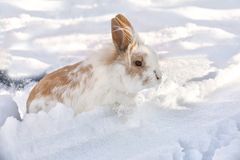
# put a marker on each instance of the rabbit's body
(113, 76)
(81, 85)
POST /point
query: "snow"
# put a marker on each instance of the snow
(29, 67)
(5, 60)
(8, 108)
(193, 115)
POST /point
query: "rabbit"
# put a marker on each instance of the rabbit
(111, 77)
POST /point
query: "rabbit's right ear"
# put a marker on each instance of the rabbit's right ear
(122, 33)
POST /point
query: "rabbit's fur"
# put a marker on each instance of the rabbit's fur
(111, 77)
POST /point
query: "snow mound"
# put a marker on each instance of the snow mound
(8, 108)
(148, 133)
(26, 67)
(187, 86)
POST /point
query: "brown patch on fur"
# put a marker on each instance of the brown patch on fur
(118, 56)
(115, 56)
(85, 69)
(86, 80)
(59, 78)
(134, 70)
(110, 59)
(146, 80)
(122, 58)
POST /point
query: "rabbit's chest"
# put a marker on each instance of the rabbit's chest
(97, 95)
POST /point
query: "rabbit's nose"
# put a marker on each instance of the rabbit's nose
(157, 75)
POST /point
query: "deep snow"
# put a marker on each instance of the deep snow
(8, 108)
(193, 115)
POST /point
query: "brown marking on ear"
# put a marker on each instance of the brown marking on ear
(132, 46)
(124, 20)
(122, 32)
(67, 76)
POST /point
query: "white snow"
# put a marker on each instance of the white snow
(29, 67)
(5, 60)
(193, 115)
(8, 108)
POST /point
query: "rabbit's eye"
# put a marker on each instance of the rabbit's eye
(138, 63)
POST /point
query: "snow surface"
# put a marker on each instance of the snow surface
(8, 108)
(193, 115)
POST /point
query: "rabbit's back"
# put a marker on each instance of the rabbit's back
(59, 86)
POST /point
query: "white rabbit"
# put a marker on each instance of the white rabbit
(111, 77)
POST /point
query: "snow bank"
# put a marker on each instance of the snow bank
(149, 133)
(184, 86)
(26, 67)
(8, 108)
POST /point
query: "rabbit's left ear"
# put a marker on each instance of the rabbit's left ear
(123, 33)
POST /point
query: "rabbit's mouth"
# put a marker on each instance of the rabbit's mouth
(152, 80)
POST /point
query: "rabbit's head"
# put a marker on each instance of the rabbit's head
(137, 64)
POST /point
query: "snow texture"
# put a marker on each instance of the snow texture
(8, 108)
(193, 115)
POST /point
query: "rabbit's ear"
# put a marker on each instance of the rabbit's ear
(122, 32)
